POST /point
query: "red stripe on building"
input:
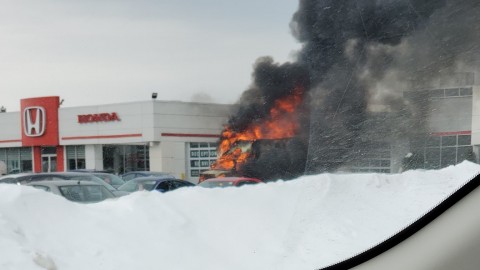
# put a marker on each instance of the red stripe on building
(451, 133)
(190, 135)
(9, 141)
(102, 137)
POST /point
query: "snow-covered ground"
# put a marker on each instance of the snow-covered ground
(303, 224)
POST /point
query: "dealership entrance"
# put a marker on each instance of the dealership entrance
(49, 159)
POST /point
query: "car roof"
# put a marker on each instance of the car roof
(57, 173)
(90, 171)
(231, 179)
(149, 172)
(153, 178)
(20, 175)
(102, 173)
(16, 175)
(63, 183)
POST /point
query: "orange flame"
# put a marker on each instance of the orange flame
(282, 122)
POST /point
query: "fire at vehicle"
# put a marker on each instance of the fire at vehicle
(240, 150)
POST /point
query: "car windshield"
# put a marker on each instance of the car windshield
(111, 179)
(85, 193)
(360, 119)
(131, 186)
(146, 185)
(90, 178)
(161, 175)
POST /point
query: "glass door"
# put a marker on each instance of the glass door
(49, 159)
(49, 163)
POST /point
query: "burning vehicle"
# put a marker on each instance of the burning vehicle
(271, 147)
(266, 159)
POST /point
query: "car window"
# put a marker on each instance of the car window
(129, 186)
(85, 193)
(146, 185)
(96, 193)
(164, 186)
(134, 185)
(42, 177)
(129, 177)
(179, 184)
(87, 177)
(72, 193)
(111, 179)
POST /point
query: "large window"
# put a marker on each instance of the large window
(200, 157)
(441, 93)
(17, 159)
(75, 157)
(125, 158)
(442, 151)
(376, 159)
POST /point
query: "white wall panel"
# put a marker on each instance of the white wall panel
(135, 118)
(155, 157)
(93, 157)
(10, 129)
(191, 118)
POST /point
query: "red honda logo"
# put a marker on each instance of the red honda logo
(34, 121)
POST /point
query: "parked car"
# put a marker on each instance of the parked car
(154, 183)
(231, 181)
(135, 174)
(76, 191)
(25, 178)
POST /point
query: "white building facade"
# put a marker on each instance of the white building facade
(175, 137)
(181, 138)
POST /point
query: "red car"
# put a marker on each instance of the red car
(229, 182)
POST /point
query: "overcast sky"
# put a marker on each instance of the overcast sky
(92, 52)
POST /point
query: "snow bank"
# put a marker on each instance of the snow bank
(303, 224)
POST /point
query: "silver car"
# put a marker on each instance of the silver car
(76, 191)
(25, 178)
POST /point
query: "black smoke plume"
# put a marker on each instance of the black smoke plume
(355, 53)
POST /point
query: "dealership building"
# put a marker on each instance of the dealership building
(181, 137)
(175, 137)
(448, 133)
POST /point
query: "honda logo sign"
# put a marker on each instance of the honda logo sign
(34, 120)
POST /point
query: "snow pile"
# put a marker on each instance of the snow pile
(302, 224)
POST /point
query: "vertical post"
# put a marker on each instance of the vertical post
(60, 159)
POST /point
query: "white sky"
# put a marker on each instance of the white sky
(107, 51)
